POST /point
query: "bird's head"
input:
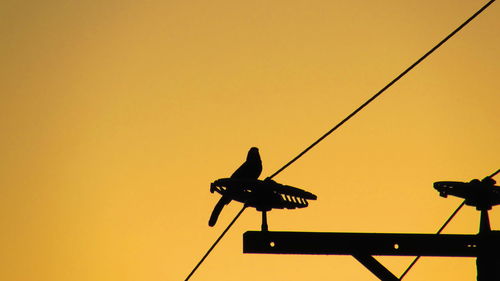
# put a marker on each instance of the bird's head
(253, 154)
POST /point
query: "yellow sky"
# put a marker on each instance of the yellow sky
(117, 115)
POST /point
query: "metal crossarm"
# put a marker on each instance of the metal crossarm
(391, 244)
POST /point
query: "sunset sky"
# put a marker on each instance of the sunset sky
(117, 115)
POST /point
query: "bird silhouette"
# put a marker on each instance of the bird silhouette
(250, 169)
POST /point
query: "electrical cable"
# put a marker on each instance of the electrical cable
(494, 174)
(438, 232)
(216, 241)
(383, 89)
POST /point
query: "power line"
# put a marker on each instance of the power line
(438, 232)
(494, 174)
(216, 242)
(383, 89)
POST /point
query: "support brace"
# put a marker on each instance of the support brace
(375, 267)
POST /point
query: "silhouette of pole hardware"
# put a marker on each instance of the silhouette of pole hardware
(481, 194)
(485, 245)
(263, 195)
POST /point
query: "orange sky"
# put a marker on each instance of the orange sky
(117, 115)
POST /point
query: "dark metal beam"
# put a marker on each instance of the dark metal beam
(335, 243)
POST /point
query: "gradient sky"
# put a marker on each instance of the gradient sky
(117, 115)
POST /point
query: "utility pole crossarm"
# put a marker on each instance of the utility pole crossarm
(391, 244)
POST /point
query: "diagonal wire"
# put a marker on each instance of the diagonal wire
(383, 89)
(216, 242)
(438, 232)
(494, 174)
(441, 229)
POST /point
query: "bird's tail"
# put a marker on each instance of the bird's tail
(224, 200)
